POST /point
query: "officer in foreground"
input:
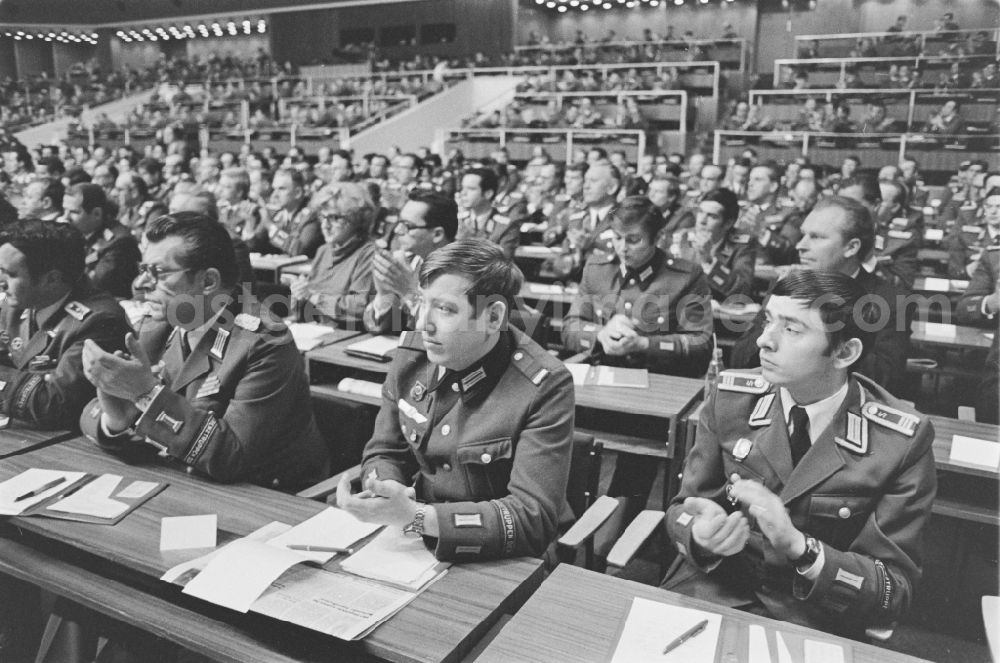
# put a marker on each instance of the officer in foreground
(477, 412)
(807, 489)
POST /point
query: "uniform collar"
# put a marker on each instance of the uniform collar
(820, 413)
(43, 315)
(481, 376)
(644, 273)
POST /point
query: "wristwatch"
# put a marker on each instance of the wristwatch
(808, 558)
(416, 528)
(145, 400)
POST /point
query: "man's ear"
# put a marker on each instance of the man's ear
(496, 314)
(852, 248)
(213, 281)
(848, 352)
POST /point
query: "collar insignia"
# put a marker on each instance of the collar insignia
(857, 435)
(760, 411)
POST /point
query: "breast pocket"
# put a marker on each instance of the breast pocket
(838, 519)
(486, 466)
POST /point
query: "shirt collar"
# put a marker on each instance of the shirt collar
(820, 413)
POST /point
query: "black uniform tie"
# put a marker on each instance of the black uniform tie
(799, 437)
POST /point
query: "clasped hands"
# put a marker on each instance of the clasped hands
(120, 379)
(391, 276)
(386, 502)
(619, 337)
(724, 535)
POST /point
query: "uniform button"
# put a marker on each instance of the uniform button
(445, 429)
(628, 306)
(454, 386)
(631, 281)
(446, 467)
(518, 356)
(660, 320)
(413, 436)
(486, 458)
(844, 512)
(275, 483)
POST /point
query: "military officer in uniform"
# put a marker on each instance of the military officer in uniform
(112, 251)
(782, 230)
(898, 230)
(966, 244)
(48, 310)
(231, 398)
(472, 446)
(640, 307)
(981, 301)
(294, 229)
(806, 492)
(478, 217)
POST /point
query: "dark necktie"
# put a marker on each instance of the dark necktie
(799, 437)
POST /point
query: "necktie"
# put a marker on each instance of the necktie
(185, 345)
(799, 437)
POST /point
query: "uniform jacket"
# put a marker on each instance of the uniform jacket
(342, 278)
(112, 261)
(496, 227)
(668, 299)
(489, 447)
(241, 219)
(965, 244)
(982, 284)
(782, 230)
(885, 362)
(864, 490)
(294, 234)
(731, 270)
(237, 409)
(41, 374)
(594, 241)
(897, 242)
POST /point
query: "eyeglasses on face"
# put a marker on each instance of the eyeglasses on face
(155, 271)
(403, 227)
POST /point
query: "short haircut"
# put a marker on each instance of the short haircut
(54, 165)
(206, 242)
(773, 170)
(418, 163)
(488, 180)
(870, 192)
(241, 177)
(76, 175)
(841, 304)
(493, 275)
(639, 210)
(140, 184)
(47, 246)
(53, 190)
(442, 212)
(580, 167)
(298, 180)
(857, 219)
(729, 201)
(994, 191)
(673, 184)
(901, 197)
(600, 151)
(150, 165)
(92, 195)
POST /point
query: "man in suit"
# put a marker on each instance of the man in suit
(806, 492)
(479, 414)
(479, 218)
(231, 398)
(49, 310)
(112, 251)
(836, 236)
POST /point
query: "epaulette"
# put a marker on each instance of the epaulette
(246, 321)
(900, 234)
(411, 340)
(77, 310)
(678, 264)
(891, 418)
(529, 365)
(561, 198)
(747, 383)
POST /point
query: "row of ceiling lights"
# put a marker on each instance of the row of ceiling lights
(63, 36)
(585, 5)
(189, 31)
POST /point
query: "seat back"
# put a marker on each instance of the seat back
(584, 473)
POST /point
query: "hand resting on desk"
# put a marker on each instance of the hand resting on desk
(386, 502)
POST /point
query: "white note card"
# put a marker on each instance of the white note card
(183, 532)
(652, 625)
(940, 330)
(972, 451)
(240, 573)
(331, 527)
(936, 285)
(818, 651)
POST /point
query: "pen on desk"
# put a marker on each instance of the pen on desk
(685, 636)
(38, 491)
(320, 549)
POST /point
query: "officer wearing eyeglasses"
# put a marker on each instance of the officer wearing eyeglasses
(427, 221)
(230, 397)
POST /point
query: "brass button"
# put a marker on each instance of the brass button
(413, 436)
(486, 458)
(445, 429)
(446, 467)
(660, 320)
(628, 306)
(844, 512)
(454, 386)
(518, 356)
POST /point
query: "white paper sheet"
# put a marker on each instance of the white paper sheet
(608, 376)
(936, 285)
(973, 451)
(652, 625)
(784, 656)
(94, 499)
(308, 335)
(30, 480)
(940, 330)
(818, 651)
(545, 289)
(333, 527)
(240, 573)
(396, 558)
(136, 489)
(759, 652)
(379, 346)
(183, 532)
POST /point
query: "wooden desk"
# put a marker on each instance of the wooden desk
(271, 264)
(576, 615)
(950, 287)
(441, 624)
(16, 440)
(965, 338)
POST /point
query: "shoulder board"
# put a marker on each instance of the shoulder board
(77, 310)
(747, 383)
(891, 418)
(678, 264)
(108, 234)
(529, 365)
(146, 206)
(500, 218)
(246, 321)
(411, 340)
(516, 195)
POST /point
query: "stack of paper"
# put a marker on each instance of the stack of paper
(94, 499)
(378, 348)
(652, 625)
(308, 335)
(395, 558)
(332, 528)
(609, 376)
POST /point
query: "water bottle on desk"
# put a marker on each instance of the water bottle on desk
(715, 368)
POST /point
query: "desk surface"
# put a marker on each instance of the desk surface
(439, 625)
(964, 337)
(945, 428)
(576, 615)
(16, 440)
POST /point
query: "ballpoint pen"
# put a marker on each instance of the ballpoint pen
(320, 549)
(685, 636)
(38, 491)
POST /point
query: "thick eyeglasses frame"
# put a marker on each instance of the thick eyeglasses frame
(404, 227)
(155, 271)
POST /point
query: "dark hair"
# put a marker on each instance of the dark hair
(729, 201)
(841, 303)
(601, 152)
(150, 165)
(442, 212)
(206, 242)
(76, 175)
(773, 170)
(901, 197)
(994, 191)
(418, 163)
(47, 246)
(580, 167)
(639, 210)
(54, 165)
(53, 190)
(140, 184)
(298, 180)
(857, 219)
(488, 180)
(483, 262)
(870, 193)
(93, 196)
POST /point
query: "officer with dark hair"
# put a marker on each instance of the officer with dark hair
(49, 310)
(805, 495)
(479, 218)
(112, 251)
